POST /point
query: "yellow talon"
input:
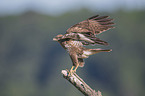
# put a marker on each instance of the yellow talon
(71, 71)
(76, 68)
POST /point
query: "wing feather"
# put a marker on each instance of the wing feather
(93, 25)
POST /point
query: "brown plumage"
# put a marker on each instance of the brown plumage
(87, 30)
(76, 51)
(84, 33)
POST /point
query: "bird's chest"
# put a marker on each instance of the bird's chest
(74, 46)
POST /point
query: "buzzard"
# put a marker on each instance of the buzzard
(76, 51)
(84, 33)
(87, 30)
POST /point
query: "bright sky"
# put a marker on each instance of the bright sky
(60, 6)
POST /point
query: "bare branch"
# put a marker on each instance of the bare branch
(80, 84)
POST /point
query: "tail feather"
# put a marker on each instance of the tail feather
(94, 51)
(100, 50)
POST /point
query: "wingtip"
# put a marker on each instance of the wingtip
(93, 17)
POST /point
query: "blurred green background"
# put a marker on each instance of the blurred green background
(31, 63)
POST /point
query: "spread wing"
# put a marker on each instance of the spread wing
(92, 26)
(84, 38)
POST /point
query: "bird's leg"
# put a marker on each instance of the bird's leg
(74, 59)
(76, 68)
(71, 71)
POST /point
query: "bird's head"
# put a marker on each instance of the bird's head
(58, 37)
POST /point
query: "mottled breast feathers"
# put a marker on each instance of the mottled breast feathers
(84, 33)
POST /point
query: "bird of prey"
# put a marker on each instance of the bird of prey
(76, 51)
(87, 30)
(84, 33)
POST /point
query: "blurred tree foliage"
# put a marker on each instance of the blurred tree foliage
(30, 62)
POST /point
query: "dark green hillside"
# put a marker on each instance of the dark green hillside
(31, 63)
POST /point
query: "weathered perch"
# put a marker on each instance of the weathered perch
(80, 84)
